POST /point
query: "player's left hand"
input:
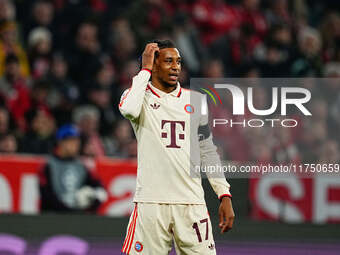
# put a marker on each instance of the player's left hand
(226, 214)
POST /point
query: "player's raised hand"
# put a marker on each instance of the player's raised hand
(149, 55)
(226, 214)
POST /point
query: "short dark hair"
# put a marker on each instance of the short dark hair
(163, 44)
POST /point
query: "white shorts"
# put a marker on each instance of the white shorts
(154, 227)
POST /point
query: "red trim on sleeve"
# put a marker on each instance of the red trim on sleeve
(145, 69)
(123, 98)
(153, 91)
(225, 195)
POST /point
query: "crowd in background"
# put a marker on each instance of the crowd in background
(68, 61)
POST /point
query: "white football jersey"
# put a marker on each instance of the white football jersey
(173, 139)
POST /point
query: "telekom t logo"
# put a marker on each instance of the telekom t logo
(173, 134)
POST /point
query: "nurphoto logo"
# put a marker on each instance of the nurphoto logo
(281, 98)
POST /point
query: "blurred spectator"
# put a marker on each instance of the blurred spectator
(278, 13)
(282, 35)
(100, 95)
(213, 68)
(7, 10)
(308, 61)
(84, 58)
(184, 78)
(39, 137)
(147, 17)
(122, 42)
(130, 69)
(87, 120)
(330, 31)
(275, 56)
(331, 86)
(14, 91)
(332, 70)
(39, 95)
(275, 62)
(252, 17)
(120, 143)
(4, 120)
(329, 153)
(8, 143)
(314, 135)
(188, 43)
(39, 51)
(59, 71)
(9, 45)
(65, 184)
(42, 15)
(249, 70)
(284, 147)
(252, 29)
(260, 147)
(319, 109)
(214, 18)
(64, 93)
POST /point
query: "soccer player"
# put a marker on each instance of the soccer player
(169, 201)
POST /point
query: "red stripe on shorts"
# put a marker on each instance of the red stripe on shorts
(133, 233)
(129, 231)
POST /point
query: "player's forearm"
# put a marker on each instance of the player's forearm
(220, 186)
(131, 101)
(218, 181)
(210, 157)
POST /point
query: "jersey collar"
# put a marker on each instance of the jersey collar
(176, 93)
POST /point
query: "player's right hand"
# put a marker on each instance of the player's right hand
(226, 214)
(149, 55)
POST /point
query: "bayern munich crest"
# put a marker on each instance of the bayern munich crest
(189, 108)
(138, 246)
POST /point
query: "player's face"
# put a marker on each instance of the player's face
(168, 66)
